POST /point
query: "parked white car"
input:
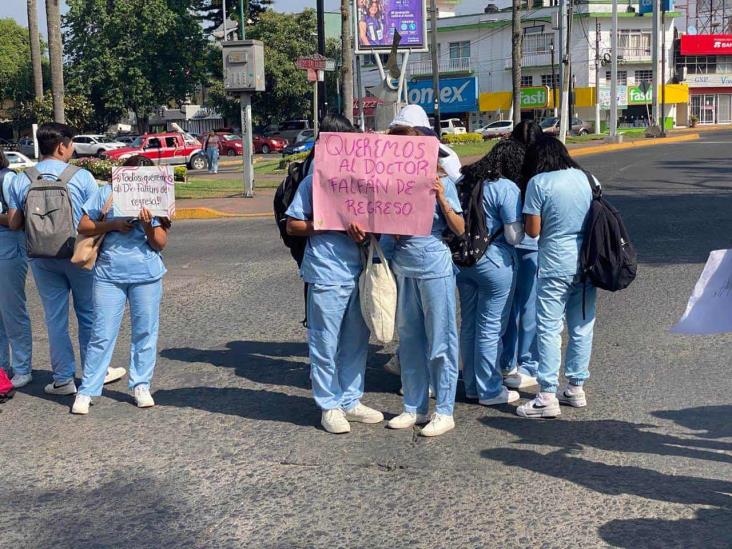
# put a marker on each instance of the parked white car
(18, 161)
(94, 145)
(499, 128)
(452, 125)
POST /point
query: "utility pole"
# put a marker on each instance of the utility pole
(346, 61)
(435, 67)
(663, 68)
(516, 59)
(322, 104)
(564, 117)
(656, 14)
(560, 18)
(598, 30)
(554, 80)
(242, 10)
(359, 86)
(613, 126)
(35, 48)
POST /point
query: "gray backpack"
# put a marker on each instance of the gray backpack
(49, 218)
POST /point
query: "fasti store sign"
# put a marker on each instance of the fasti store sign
(534, 98)
(456, 94)
(637, 97)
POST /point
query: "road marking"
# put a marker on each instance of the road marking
(713, 143)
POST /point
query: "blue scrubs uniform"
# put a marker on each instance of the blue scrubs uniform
(55, 278)
(428, 340)
(562, 199)
(519, 342)
(127, 270)
(16, 342)
(485, 290)
(338, 338)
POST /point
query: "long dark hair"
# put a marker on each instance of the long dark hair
(548, 154)
(527, 132)
(505, 159)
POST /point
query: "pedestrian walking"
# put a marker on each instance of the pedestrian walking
(337, 334)
(129, 270)
(213, 150)
(520, 357)
(428, 340)
(16, 341)
(486, 288)
(51, 237)
(556, 206)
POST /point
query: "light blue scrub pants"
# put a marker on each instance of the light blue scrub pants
(213, 159)
(428, 342)
(485, 303)
(557, 299)
(339, 343)
(109, 308)
(519, 342)
(55, 278)
(16, 341)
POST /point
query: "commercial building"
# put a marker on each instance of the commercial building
(474, 53)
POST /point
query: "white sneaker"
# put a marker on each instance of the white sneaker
(517, 380)
(393, 366)
(21, 380)
(405, 420)
(143, 397)
(363, 414)
(334, 421)
(573, 395)
(64, 388)
(544, 405)
(439, 425)
(504, 397)
(114, 374)
(81, 405)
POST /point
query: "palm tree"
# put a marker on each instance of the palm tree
(55, 55)
(516, 59)
(346, 60)
(35, 44)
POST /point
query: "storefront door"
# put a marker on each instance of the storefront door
(707, 109)
(724, 109)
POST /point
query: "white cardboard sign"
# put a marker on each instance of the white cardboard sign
(709, 310)
(137, 187)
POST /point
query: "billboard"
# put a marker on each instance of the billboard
(706, 44)
(621, 98)
(376, 21)
(646, 6)
(456, 94)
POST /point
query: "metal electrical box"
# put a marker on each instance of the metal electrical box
(243, 65)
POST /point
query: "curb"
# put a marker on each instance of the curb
(210, 213)
(610, 147)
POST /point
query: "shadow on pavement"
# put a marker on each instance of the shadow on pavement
(714, 421)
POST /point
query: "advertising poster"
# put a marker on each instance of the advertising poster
(376, 21)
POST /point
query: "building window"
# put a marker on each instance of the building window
(622, 77)
(643, 76)
(527, 81)
(724, 64)
(546, 80)
(460, 50)
(537, 43)
(634, 43)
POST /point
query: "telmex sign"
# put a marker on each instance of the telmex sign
(706, 44)
(456, 94)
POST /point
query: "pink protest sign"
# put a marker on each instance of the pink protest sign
(382, 182)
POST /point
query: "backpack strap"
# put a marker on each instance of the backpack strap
(32, 174)
(107, 206)
(596, 189)
(68, 173)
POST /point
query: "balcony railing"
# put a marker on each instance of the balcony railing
(534, 59)
(459, 64)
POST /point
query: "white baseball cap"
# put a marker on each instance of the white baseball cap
(411, 115)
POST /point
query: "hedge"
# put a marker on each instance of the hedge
(286, 160)
(102, 169)
(460, 138)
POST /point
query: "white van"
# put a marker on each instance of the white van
(451, 125)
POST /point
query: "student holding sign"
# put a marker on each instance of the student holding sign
(428, 340)
(486, 288)
(338, 338)
(129, 269)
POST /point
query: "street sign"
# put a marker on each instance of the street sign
(534, 98)
(314, 62)
(330, 65)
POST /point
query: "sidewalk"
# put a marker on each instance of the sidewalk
(261, 205)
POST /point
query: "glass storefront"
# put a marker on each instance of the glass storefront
(712, 108)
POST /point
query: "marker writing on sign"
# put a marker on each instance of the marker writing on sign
(348, 185)
(370, 147)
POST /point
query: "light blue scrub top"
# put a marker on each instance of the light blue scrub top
(331, 258)
(502, 205)
(81, 187)
(125, 258)
(428, 256)
(562, 198)
(11, 242)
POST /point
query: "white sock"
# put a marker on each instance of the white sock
(546, 398)
(573, 389)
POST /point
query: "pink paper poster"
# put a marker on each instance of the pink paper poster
(382, 182)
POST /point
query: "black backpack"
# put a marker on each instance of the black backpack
(296, 172)
(607, 258)
(469, 247)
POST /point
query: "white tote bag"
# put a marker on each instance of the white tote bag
(378, 295)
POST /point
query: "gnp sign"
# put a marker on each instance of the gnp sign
(456, 94)
(706, 44)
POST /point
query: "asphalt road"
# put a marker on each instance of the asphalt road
(233, 456)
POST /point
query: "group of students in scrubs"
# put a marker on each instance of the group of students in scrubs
(128, 269)
(513, 301)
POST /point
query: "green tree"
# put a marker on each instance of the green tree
(211, 14)
(16, 78)
(78, 112)
(134, 55)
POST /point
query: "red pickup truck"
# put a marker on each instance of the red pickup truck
(163, 148)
